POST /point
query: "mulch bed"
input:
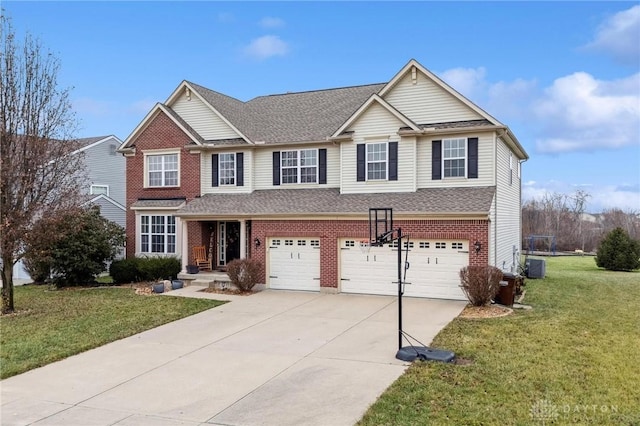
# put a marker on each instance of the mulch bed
(232, 291)
(489, 311)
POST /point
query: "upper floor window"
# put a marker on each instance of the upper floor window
(158, 234)
(454, 157)
(99, 190)
(376, 161)
(300, 166)
(227, 169)
(162, 170)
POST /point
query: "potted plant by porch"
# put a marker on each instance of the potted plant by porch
(193, 269)
(176, 284)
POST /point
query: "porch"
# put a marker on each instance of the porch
(215, 279)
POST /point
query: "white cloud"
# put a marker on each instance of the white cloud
(266, 46)
(143, 106)
(470, 82)
(581, 113)
(619, 36)
(271, 22)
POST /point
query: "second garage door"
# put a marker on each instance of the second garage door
(433, 272)
(294, 263)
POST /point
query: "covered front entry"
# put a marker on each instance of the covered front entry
(228, 242)
(294, 263)
(433, 272)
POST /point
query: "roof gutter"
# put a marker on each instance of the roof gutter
(334, 216)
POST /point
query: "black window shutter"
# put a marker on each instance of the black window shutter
(276, 167)
(393, 160)
(214, 169)
(361, 162)
(473, 158)
(322, 163)
(436, 160)
(239, 169)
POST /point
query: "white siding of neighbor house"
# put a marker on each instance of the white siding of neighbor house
(107, 167)
(263, 167)
(202, 119)
(508, 209)
(205, 173)
(427, 102)
(486, 162)
(377, 124)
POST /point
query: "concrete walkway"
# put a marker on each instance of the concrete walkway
(272, 358)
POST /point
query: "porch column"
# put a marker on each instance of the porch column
(243, 239)
(185, 245)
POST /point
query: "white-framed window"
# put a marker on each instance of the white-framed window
(454, 157)
(299, 166)
(162, 169)
(99, 190)
(377, 161)
(158, 234)
(227, 169)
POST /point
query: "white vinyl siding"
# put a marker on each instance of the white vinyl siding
(426, 102)
(378, 125)
(508, 210)
(206, 171)
(202, 119)
(108, 168)
(486, 162)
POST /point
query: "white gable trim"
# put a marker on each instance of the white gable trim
(147, 120)
(366, 105)
(413, 63)
(107, 199)
(185, 85)
(106, 138)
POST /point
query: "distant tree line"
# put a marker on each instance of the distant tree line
(564, 216)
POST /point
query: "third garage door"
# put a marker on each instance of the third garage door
(433, 272)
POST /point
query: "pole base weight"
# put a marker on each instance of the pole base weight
(423, 353)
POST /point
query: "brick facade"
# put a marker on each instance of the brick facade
(330, 231)
(161, 133)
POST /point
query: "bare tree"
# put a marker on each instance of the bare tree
(41, 172)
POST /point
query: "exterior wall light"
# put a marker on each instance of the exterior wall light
(478, 246)
(257, 242)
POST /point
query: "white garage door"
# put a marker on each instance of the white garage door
(434, 267)
(294, 263)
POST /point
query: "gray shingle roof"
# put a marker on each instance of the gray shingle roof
(329, 201)
(291, 117)
(161, 203)
(83, 142)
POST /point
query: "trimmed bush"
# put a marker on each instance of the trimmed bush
(480, 283)
(159, 268)
(125, 271)
(138, 269)
(244, 273)
(618, 252)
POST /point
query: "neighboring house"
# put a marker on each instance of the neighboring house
(288, 180)
(106, 171)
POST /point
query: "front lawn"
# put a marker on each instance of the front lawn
(573, 359)
(53, 324)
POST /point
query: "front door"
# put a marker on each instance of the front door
(229, 241)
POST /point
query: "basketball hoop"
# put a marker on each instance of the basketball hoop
(365, 246)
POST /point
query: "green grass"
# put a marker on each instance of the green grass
(53, 324)
(577, 350)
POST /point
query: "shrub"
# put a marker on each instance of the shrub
(154, 268)
(480, 283)
(618, 252)
(244, 273)
(125, 271)
(37, 267)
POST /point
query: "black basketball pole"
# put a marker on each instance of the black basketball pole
(399, 288)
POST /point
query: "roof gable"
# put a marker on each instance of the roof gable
(374, 99)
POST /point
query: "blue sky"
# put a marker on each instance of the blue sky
(564, 76)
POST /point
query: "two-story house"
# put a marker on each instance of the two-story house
(289, 179)
(106, 182)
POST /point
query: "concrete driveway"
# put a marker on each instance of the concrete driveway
(272, 358)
